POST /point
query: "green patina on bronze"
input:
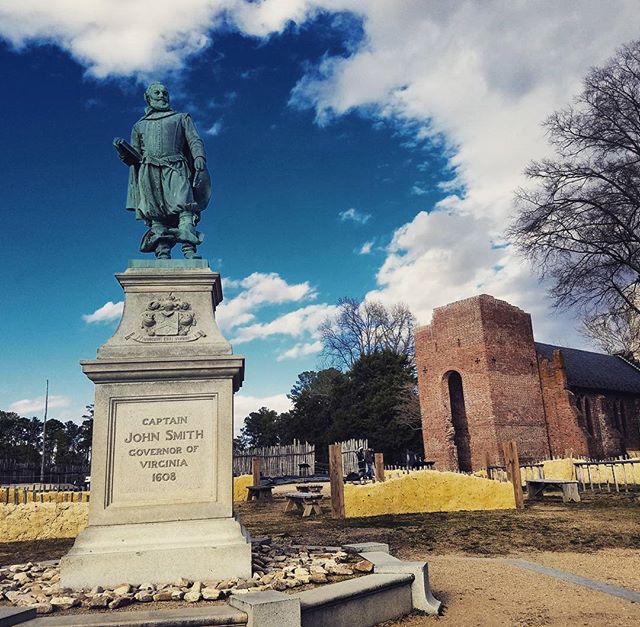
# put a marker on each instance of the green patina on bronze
(169, 184)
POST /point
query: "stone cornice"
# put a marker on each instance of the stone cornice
(125, 370)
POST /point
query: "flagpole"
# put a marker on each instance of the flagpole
(44, 431)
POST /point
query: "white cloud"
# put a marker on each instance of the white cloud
(260, 289)
(478, 77)
(297, 323)
(214, 129)
(353, 215)
(301, 349)
(244, 405)
(107, 313)
(468, 74)
(365, 249)
(417, 190)
(30, 406)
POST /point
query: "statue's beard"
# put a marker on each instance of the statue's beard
(160, 106)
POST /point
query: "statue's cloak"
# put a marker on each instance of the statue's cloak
(165, 183)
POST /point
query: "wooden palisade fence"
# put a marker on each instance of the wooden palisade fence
(619, 474)
(349, 458)
(20, 495)
(298, 458)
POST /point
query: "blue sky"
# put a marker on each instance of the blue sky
(355, 151)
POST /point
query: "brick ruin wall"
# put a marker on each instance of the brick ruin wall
(490, 344)
(510, 392)
(565, 431)
(587, 422)
(514, 382)
(453, 341)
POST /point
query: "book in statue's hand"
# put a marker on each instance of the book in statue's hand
(126, 152)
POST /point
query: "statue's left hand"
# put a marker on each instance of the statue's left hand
(199, 163)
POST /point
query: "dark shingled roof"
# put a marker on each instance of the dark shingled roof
(595, 370)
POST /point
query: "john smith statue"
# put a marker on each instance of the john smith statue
(169, 185)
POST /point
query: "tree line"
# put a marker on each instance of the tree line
(67, 443)
(368, 390)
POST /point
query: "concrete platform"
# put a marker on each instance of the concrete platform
(219, 615)
(15, 615)
(361, 602)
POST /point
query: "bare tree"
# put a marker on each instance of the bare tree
(616, 332)
(362, 328)
(580, 223)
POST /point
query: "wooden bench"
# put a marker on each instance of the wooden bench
(314, 488)
(536, 488)
(259, 493)
(306, 502)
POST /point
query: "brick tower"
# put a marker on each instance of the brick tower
(479, 384)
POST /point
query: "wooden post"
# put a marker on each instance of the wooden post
(512, 463)
(569, 455)
(379, 464)
(336, 478)
(255, 470)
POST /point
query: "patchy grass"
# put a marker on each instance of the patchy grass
(599, 522)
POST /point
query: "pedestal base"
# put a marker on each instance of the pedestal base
(200, 550)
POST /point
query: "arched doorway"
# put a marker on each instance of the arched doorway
(459, 420)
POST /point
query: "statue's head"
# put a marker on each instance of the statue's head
(157, 96)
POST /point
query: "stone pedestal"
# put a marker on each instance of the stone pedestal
(161, 473)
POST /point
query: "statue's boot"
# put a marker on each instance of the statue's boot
(188, 236)
(163, 251)
(189, 252)
(158, 240)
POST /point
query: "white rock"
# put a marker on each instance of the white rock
(64, 603)
(122, 589)
(211, 594)
(144, 596)
(192, 597)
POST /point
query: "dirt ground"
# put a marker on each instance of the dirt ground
(468, 552)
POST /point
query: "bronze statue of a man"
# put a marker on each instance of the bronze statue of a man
(169, 185)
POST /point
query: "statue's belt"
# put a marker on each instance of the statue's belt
(168, 161)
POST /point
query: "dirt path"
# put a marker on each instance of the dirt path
(489, 592)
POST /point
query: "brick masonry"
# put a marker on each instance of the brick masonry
(510, 392)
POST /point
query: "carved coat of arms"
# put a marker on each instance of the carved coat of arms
(167, 319)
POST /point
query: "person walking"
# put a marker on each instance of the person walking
(361, 463)
(369, 456)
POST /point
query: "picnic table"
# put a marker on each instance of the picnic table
(259, 493)
(306, 502)
(316, 488)
(536, 488)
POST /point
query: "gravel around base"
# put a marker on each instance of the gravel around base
(278, 567)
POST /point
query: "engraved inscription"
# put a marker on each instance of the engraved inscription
(163, 455)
